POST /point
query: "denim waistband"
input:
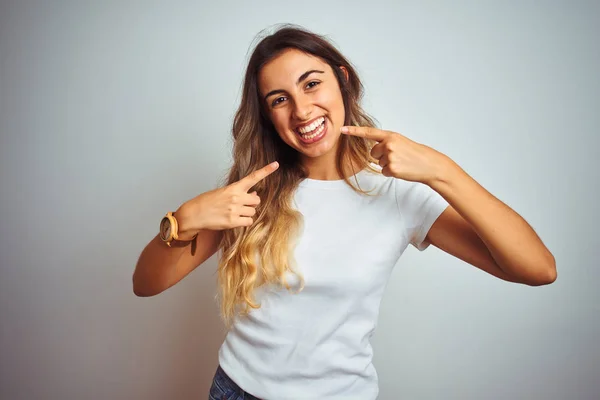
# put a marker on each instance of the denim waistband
(224, 380)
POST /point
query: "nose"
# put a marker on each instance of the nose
(302, 107)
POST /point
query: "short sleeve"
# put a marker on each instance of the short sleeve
(419, 207)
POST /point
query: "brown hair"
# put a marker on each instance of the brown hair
(262, 252)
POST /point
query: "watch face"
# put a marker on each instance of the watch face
(165, 229)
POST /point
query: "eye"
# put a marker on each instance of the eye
(277, 101)
(312, 84)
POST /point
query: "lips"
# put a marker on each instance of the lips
(310, 127)
(314, 131)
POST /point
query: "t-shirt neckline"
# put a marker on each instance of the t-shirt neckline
(328, 184)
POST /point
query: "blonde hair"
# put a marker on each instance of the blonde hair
(262, 253)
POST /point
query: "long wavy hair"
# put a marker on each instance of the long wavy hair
(262, 253)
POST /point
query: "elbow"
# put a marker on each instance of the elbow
(543, 279)
(545, 275)
(140, 290)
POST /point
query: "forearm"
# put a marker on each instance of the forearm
(512, 242)
(156, 266)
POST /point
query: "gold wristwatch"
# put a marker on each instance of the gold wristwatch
(169, 229)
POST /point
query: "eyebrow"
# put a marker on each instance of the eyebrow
(300, 79)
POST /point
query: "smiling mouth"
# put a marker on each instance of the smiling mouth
(313, 130)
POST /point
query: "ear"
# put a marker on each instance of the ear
(345, 71)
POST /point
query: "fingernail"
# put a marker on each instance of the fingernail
(275, 164)
(344, 129)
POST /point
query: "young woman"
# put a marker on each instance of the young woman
(318, 207)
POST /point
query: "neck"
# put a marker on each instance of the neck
(324, 168)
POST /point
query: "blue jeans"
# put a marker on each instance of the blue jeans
(223, 388)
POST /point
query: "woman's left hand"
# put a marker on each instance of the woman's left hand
(401, 157)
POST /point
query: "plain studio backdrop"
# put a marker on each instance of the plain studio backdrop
(113, 113)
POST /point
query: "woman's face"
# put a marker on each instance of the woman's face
(303, 100)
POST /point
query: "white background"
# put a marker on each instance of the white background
(112, 113)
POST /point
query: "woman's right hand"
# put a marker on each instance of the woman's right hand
(223, 208)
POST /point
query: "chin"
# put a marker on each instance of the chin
(317, 152)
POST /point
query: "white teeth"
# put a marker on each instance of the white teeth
(316, 133)
(307, 129)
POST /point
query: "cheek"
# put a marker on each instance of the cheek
(279, 120)
(333, 102)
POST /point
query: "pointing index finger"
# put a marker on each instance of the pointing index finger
(365, 131)
(258, 175)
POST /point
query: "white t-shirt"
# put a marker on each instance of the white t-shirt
(316, 344)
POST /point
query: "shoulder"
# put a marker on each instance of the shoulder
(372, 178)
(400, 189)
